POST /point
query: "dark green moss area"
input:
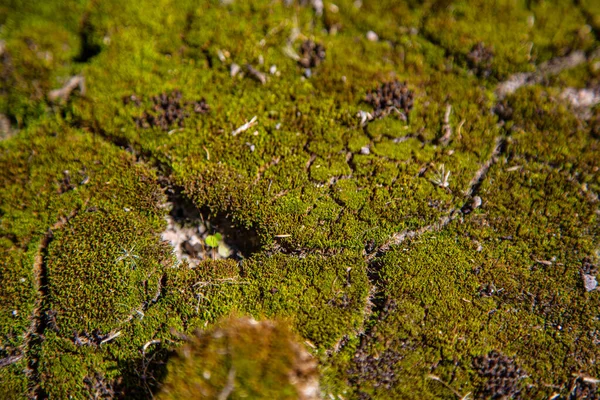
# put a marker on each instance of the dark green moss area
(445, 243)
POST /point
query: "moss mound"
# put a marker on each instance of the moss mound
(242, 358)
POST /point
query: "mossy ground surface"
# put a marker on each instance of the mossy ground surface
(403, 281)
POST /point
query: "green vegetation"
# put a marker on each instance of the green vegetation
(408, 244)
(243, 358)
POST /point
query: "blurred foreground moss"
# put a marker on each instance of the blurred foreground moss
(242, 358)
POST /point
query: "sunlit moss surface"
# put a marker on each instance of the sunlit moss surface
(408, 250)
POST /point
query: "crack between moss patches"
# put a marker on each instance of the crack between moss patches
(549, 68)
(35, 334)
(479, 177)
(165, 170)
(471, 192)
(372, 307)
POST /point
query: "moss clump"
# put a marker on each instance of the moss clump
(242, 358)
(17, 297)
(323, 297)
(102, 268)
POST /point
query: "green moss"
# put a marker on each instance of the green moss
(38, 197)
(243, 358)
(101, 268)
(13, 382)
(518, 32)
(37, 56)
(322, 296)
(549, 131)
(17, 296)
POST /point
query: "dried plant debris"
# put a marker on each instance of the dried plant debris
(6, 130)
(256, 74)
(317, 5)
(62, 94)
(390, 97)
(311, 54)
(66, 184)
(480, 59)
(584, 388)
(588, 274)
(502, 376)
(582, 100)
(71, 182)
(95, 338)
(471, 204)
(504, 112)
(132, 99)
(168, 111)
(378, 369)
(201, 106)
(99, 387)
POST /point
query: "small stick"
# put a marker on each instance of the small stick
(63, 93)
(10, 360)
(148, 344)
(228, 389)
(289, 51)
(111, 337)
(459, 130)
(256, 74)
(245, 127)
(460, 396)
(446, 128)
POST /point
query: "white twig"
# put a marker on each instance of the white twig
(290, 52)
(221, 281)
(64, 92)
(148, 344)
(245, 127)
(365, 117)
(549, 68)
(228, 389)
(446, 128)
(10, 360)
(112, 336)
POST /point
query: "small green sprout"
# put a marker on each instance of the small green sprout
(213, 242)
